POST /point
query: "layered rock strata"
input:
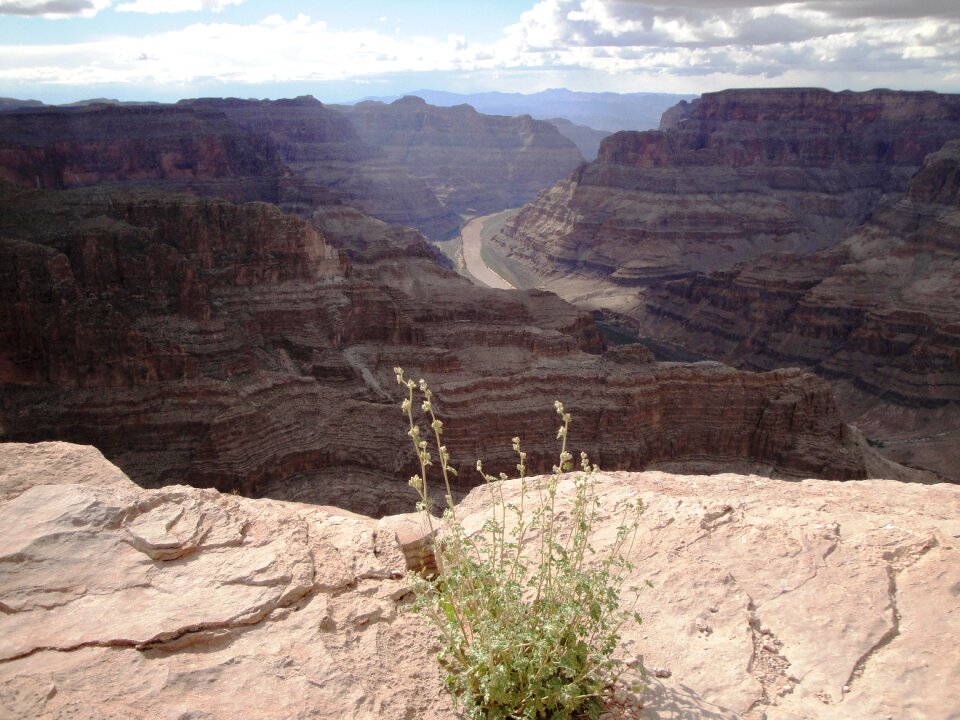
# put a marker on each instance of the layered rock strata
(299, 153)
(328, 160)
(879, 314)
(759, 598)
(198, 341)
(731, 175)
(197, 149)
(407, 163)
(732, 234)
(475, 164)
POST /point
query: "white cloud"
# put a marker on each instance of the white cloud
(174, 6)
(692, 45)
(759, 38)
(286, 50)
(273, 20)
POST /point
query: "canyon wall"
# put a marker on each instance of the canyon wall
(197, 149)
(879, 314)
(759, 599)
(328, 161)
(780, 228)
(299, 153)
(407, 163)
(197, 341)
(732, 175)
(476, 164)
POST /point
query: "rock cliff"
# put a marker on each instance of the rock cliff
(299, 153)
(879, 314)
(328, 161)
(407, 163)
(766, 599)
(197, 149)
(733, 233)
(732, 175)
(197, 341)
(475, 164)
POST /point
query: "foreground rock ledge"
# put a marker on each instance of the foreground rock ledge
(774, 599)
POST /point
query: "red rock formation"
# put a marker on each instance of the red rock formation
(328, 161)
(655, 227)
(178, 146)
(732, 175)
(476, 164)
(298, 152)
(197, 341)
(879, 314)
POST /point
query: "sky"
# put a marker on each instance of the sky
(67, 50)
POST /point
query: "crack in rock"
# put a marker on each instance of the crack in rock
(768, 666)
(889, 636)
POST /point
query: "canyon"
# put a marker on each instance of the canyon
(204, 462)
(777, 228)
(248, 343)
(760, 598)
(474, 163)
(197, 341)
(296, 153)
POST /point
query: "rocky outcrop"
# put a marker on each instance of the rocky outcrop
(183, 602)
(299, 153)
(732, 175)
(759, 598)
(175, 146)
(199, 342)
(476, 164)
(705, 236)
(879, 314)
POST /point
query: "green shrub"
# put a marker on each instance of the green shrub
(528, 612)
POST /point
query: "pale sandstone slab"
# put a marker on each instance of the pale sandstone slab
(119, 602)
(790, 599)
(783, 600)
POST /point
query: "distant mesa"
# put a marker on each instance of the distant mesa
(422, 172)
(584, 118)
(475, 164)
(607, 112)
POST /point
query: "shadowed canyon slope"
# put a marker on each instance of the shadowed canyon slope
(741, 172)
(197, 341)
(419, 166)
(475, 164)
(296, 152)
(792, 173)
(879, 314)
(810, 600)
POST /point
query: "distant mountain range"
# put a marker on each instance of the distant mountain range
(601, 111)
